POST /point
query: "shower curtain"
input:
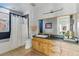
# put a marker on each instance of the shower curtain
(18, 31)
(24, 30)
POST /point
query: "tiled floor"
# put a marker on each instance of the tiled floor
(22, 52)
(34, 53)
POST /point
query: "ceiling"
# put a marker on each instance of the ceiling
(21, 7)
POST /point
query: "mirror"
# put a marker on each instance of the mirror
(64, 27)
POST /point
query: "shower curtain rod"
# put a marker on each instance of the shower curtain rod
(10, 9)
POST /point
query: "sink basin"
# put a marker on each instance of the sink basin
(42, 36)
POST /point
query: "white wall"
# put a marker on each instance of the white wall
(77, 7)
(53, 30)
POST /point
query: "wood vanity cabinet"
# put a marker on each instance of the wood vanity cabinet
(54, 47)
(44, 46)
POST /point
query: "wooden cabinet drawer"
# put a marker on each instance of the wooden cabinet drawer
(55, 49)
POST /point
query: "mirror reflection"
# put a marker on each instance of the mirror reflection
(62, 27)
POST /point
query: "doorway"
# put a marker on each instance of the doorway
(40, 26)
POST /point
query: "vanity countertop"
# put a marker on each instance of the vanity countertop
(57, 39)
